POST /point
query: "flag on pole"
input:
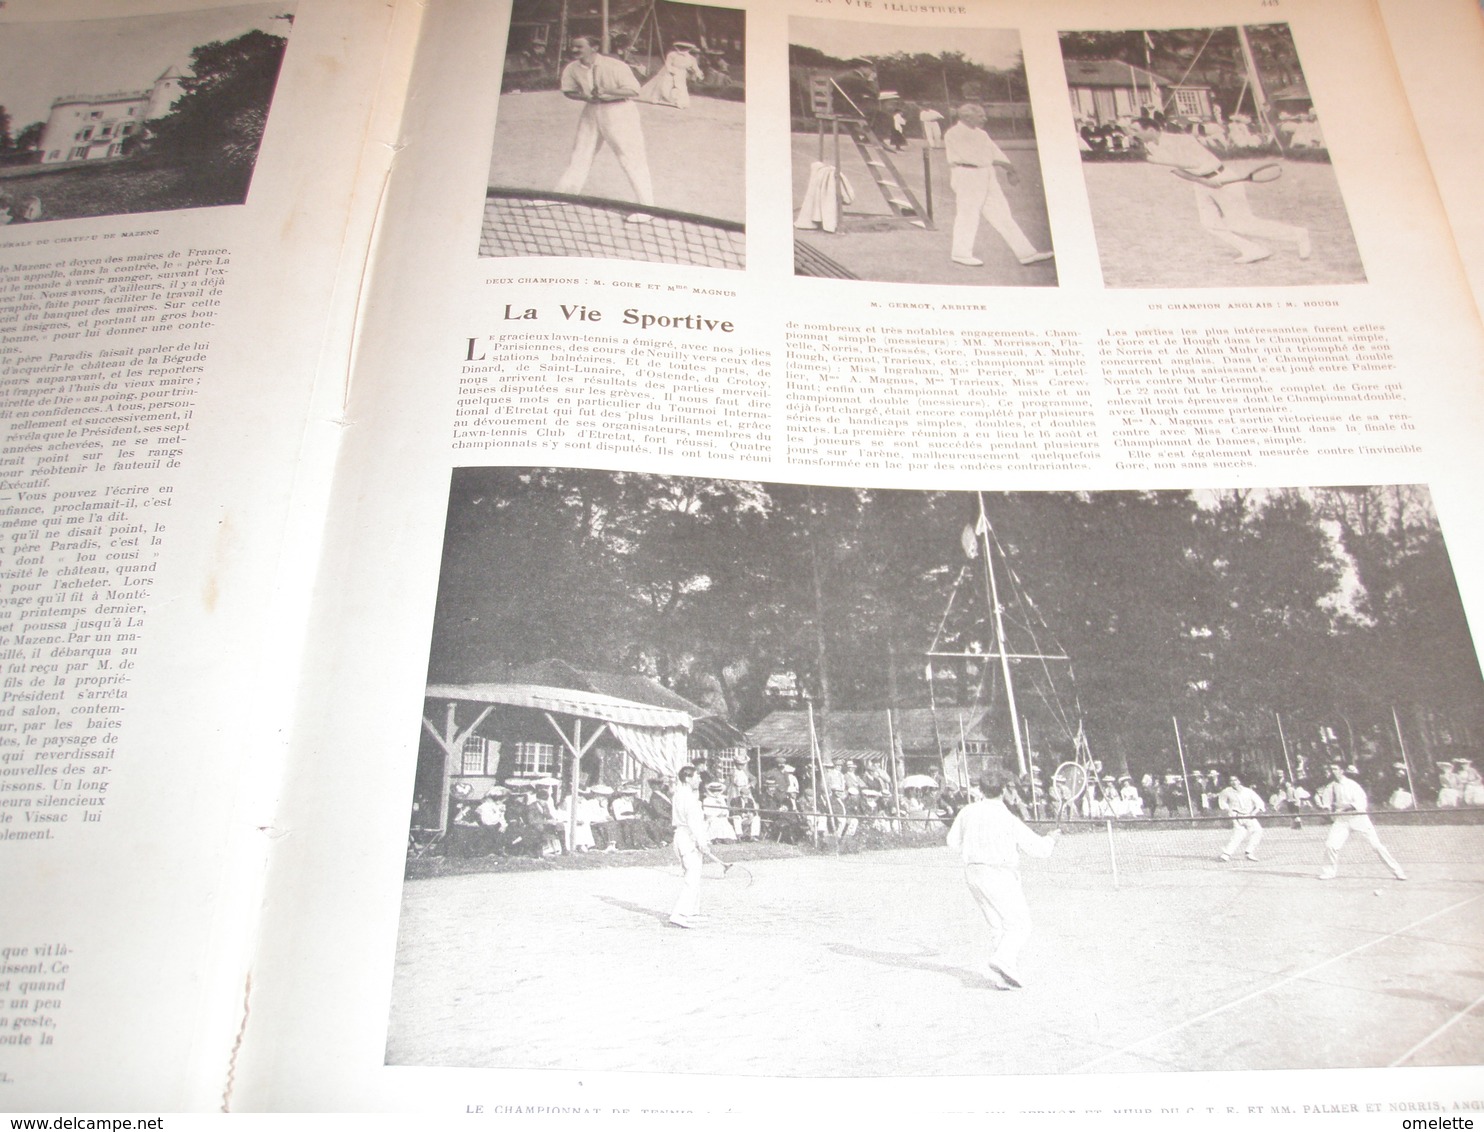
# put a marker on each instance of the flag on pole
(969, 542)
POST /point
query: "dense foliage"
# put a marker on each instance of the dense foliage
(1326, 608)
(216, 126)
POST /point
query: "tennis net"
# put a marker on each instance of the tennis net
(1432, 845)
(524, 222)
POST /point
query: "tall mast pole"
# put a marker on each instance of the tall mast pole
(1281, 739)
(1184, 773)
(1406, 762)
(1259, 95)
(999, 634)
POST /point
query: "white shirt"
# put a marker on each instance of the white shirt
(1183, 152)
(592, 810)
(609, 77)
(686, 813)
(986, 833)
(1240, 801)
(965, 145)
(1346, 794)
(491, 812)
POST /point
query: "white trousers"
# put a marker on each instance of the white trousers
(1244, 829)
(691, 860)
(1000, 898)
(976, 194)
(1226, 213)
(1339, 833)
(617, 124)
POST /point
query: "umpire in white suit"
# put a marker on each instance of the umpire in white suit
(973, 158)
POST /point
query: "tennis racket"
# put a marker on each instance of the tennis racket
(1258, 175)
(728, 870)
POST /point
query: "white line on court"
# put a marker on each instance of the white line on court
(1436, 1033)
(1215, 1010)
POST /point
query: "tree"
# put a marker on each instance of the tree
(217, 125)
(29, 139)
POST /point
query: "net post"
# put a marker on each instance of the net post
(1112, 852)
(927, 183)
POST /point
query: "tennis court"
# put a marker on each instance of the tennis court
(1149, 232)
(872, 244)
(696, 156)
(871, 963)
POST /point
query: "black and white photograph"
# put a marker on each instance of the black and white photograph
(1205, 159)
(137, 114)
(621, 134)
(914, 156)
(742, 778)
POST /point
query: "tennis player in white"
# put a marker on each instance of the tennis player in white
(607, 88)
(990, 840)
(1345, 799)
(1220, 194)
(1242, 804)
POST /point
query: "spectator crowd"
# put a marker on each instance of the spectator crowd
(530, 817)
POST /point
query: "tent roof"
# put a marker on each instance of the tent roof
(708, 729)
(566, 701)
(1109, 72)
(620, 685)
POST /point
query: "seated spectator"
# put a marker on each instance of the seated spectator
(1177, 802)
(854, 784)
(1015, 801)
(1242, 135)
(1304, 133)
(718, 815)
(543, 809)
(1450, 786)
(1128, 793)
(1151, 795)
(654, 811)
(491, 817)
(745, 818)
(834, 778)
(739, 787)
(1214, 136)
(1471, 781)
(629, 826)
(775, 780)
(592, 811)
(464, 839)
(525, 825)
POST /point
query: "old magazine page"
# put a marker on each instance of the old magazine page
(177, 222)
(999, 479)
(1438, 60)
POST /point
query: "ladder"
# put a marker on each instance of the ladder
(894, 190)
